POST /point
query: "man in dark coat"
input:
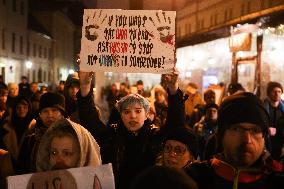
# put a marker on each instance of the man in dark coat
(244, 161)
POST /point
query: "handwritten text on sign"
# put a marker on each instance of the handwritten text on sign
(128, 41)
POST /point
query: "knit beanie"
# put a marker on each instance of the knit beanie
(239, 108)
(51, 99)
(185, 136)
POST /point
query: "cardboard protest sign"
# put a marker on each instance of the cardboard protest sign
(76, 178)
(128, 41)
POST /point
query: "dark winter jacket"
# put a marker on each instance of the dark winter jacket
(218, 174)
(129, 153)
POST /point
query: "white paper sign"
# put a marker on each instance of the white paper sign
(128, 41)
(76, 178)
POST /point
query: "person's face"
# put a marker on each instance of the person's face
(34, 87)
(61, 87)
(14, 90)
(22, 110)
(243, 144)
(175, 154)
(64, 152)
(160, 98)
(191, 90)
(275, 94)
(140, 87)
(209, 99)
(133, 117)
(50, 115)
(73, 91)
(212, 114)
(122, 87)
(3, 98)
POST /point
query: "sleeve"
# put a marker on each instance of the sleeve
(89, 116)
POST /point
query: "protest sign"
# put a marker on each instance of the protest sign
(100, 177)
(128, 41)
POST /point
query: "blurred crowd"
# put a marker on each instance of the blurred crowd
(167, 137)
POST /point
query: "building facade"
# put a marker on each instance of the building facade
(37, 44)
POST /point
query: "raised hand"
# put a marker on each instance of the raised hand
(171, 81)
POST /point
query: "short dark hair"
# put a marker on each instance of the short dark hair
(139, 82)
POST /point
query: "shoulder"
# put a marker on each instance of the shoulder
(200, 170)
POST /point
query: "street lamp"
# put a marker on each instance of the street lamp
(29, 64)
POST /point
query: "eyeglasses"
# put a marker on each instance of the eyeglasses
(178, 150)
(254, 131)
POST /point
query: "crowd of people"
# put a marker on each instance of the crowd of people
(164, 138)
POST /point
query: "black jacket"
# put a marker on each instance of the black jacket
(128, 153)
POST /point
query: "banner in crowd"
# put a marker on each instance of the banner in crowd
(128, 41)
(76, 178)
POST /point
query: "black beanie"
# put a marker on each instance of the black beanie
(51, 99)
(185, 136)
(241, 107)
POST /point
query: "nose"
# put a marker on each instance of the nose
(247, 137)
(132, 114)
(58, 158)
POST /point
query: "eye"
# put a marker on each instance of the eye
(53, 153)
(256, 130)
(167, 148)
(126, 111)
(236, 129)
(67, 153)
(138, 111)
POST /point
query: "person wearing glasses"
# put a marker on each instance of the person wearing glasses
(244, 162)
(179, 149)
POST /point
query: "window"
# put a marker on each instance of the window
(13, 42)
(14, 5)
(230, 13)
(28, 47)
(248, 7)
(212, 20)
(34, 75)
(45, 52)
(34, 50)
(39, 51)
(22, 8)
(226, 15)
(216, 19)
(49, 53)
(44, 76)
(21, 44)
(3, 39)
(188, 28)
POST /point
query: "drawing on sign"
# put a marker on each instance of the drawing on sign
(57, 180)
(91, 32)
(52, 180)
(163, 26)
(97, 183)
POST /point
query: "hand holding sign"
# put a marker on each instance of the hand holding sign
(171, 80)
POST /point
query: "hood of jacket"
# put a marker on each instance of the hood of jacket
(89, 149)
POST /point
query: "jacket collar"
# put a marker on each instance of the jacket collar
(265, 165)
